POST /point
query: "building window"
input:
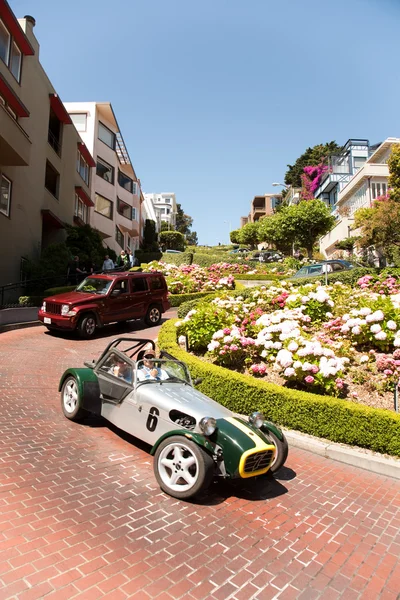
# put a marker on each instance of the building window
(79, 120)
(103, 206)
(52, 180)
(134, 214)
(119, 237)
(134, 188)
(167, 200)
(105, 171)
(5, 197)
(124, 209)
(81, 210)
(125, 181)
(359, 161)
(378, 189)
(106, 136)
(83, 168)
(55, 132)
(9, 52)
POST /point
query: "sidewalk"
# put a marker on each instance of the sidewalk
(12, 318)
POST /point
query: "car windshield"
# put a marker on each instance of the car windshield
(94, 285)
(155, 369)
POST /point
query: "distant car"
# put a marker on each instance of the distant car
(325, 266)
(267, 256)
(170, 251)
(193, 438)
(107, 298)
(239, 251)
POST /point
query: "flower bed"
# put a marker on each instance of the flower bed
(335, 340)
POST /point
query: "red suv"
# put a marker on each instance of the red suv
(102, 299)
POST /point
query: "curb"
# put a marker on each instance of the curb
(362, 458)
(11, 326)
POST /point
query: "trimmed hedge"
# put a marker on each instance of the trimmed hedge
(322, 416)
(185, 258)
(178, 299)
(260, 277)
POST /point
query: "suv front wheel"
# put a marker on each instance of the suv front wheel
(87, 326)
(153, 316)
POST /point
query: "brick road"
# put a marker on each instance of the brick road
(81, 515)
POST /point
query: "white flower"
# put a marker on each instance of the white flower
(277, 345)
(375, 328)
(218, 335)
(345, 318)
(345, 329)
(364, 359)
(379, 316)
(391, 325)
(178, 323)
(293, 346)
(356, 330)
(365, 311)
(284, 358)
(213, 345)
(381, 336)
(289, 372)
(306, 366)
(396, 342)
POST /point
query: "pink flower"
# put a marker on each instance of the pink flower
(309, 379)
(339, 383)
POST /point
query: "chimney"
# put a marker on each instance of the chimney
(30, 20)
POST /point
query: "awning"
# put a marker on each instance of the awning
(51, 219)
(12, 99)
(59, 109)
(86, 154)
(131, 232)
(83, 196)
(15, 29)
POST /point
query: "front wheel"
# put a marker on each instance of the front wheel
(71, 402)
(182, 468)
(87, 326)
(282, 450)
(153, 316)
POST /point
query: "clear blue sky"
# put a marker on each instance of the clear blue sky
(215, 97)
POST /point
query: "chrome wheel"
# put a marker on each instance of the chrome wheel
(70, 396)
(153, 316)
(90, 326)
(178, 467)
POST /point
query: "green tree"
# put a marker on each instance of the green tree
(348, 244)
(379, 225)
(150, 243)
(235, 236)
(191, 239)
(183, 222)
(278, 231)
(173, 240)
(86, 242)
(311, 157)
(249, 234)
(394, 170)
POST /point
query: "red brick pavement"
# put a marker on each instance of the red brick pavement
(81, 515)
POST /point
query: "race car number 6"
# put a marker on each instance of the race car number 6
(152, 419)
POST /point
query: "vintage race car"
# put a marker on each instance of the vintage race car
(193, 438)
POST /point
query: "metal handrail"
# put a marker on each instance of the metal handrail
(49, 280)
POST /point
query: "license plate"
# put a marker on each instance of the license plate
(47, 320)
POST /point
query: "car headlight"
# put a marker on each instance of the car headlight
(257, 419)
(208, 425)
(43, 307)
(67, 311)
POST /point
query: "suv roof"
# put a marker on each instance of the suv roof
(118, 274)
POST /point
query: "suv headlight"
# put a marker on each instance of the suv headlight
(257, 419)
(67, 311)
(43, 307)
(208, 425)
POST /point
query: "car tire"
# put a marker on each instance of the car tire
(182, 468)
(87, 326)
(153, 316)
(71, 401)
(282, 450)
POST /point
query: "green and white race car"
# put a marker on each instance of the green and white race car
(193, 438)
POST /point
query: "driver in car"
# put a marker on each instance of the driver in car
(148, 370)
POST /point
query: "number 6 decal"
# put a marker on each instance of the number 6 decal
(152, 419)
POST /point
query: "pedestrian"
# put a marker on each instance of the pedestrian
(76, 274)
(123, 261)
(129, 254)
(108, 264)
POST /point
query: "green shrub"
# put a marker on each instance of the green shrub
(185, 258)
(336, 420)
(59, 290)
(178, 299)
(260, 277)
(30, 300)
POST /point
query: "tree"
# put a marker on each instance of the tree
(173, 240)
(149, 243)
(348, 244)
(183, 222)
(394, 170)
(311, 157)
(86, 242)
(235, 236)
(249, 234)
(278, 231)
(191, 239)
(380, 225)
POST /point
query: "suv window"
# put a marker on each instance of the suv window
(156, 283)
(122, 286)
(139, 284)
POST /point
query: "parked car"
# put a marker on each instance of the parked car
(170, 251)
(241, 251)
(325, 266)
(107, 298)
(193, 438)
(267, 256)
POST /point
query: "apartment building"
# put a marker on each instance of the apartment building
(116, 213)
(367, 183)
(262, 206)
(161, 207)
(44, 163)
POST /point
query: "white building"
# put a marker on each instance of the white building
(117, 196)
(161, 207)
(368, 183)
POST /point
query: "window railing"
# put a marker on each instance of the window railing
(54, 142)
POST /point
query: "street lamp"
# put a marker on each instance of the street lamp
(281, 185)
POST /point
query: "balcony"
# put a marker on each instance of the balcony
(15, 145)
(54, 142)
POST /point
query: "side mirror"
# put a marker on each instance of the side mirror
(197, 381)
